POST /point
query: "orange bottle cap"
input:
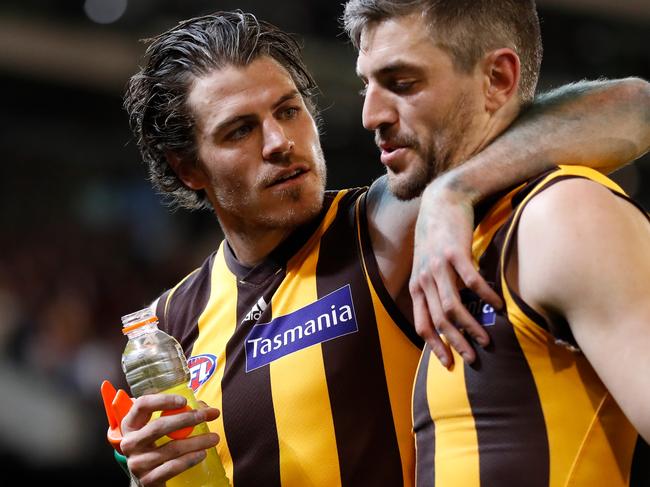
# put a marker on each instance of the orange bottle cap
(134, 326)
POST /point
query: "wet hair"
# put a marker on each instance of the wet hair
(466, 29)
(156, 96)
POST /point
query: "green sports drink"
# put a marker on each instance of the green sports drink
(154, 362)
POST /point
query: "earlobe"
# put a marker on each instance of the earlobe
(188, 172)
(502, 70)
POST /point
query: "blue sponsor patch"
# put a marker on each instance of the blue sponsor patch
(201, 369)
(480, 310)
(330, 317)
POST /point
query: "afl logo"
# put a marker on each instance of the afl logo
(201, 369)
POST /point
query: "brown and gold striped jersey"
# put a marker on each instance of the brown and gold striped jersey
(531, 411)
(306, 355)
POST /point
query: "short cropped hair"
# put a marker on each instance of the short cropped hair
(466, 29)
(156, 96)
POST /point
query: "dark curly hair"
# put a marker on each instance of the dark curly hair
(156, 96)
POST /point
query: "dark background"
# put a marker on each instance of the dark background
(85, 240)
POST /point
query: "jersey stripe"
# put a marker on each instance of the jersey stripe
(371, 269)
(226, 314)
(492, 222)
(244, 389)
(502, 381)
(397, 346)
(302, 462)
(196, 285)
(424, 427)
(455, 431)
(358, 449)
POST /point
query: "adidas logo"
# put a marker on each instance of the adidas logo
(256, 311)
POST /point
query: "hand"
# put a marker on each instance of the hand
(153, 465)
(442, 265)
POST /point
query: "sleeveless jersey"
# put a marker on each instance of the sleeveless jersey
(306, 355)
(531, 411)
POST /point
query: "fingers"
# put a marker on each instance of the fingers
(140, 439)
(474, 281)
(447, 316)
(211, 416)
(451, 314)
(143, 407)
(158, 476)
(425, 328)
(439, 310)
(161, 464)
(153, 465)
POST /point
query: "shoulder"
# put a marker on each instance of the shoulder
(575, 232)
(385, 209)
(572, 209)
(390, 223)
(193, 289)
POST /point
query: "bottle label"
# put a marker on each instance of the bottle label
(330, 317)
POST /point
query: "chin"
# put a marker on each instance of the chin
(296, 208)
(406, 188)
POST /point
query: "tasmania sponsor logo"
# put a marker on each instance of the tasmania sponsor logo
(201, 369)
(480, 310)
(330, 317)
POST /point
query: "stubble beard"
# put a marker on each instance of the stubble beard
(412, 185)
(437, 157)
(311, 197)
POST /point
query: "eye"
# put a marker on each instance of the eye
(289, 113)
(401, 86)
(363, 91)
(240, 132)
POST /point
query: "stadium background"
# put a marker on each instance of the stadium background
(85, 240)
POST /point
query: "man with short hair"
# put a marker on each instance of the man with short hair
(547, 403)
(291, 325)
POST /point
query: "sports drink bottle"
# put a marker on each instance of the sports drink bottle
(154, 362)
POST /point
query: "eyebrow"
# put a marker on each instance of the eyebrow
(249, 116)
(390, 69)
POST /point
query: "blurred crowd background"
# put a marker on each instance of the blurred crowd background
(84, 238)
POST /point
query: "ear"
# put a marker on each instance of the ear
(502, 70)
(188, 172)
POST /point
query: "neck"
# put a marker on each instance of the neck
(250, 250)
(495, 125)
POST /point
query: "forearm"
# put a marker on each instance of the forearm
(600, 124)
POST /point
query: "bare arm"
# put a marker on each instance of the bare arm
(601, 124)
(391, 223)
(598, 124)
(598, 247)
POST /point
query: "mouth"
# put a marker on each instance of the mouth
(390, 153)
(387, 147)
(287, 176)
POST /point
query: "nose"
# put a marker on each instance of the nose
(378, 110)
(275, 140)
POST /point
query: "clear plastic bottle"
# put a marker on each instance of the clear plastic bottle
(154, 362)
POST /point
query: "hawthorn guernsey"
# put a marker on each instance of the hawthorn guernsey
(329, 317)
